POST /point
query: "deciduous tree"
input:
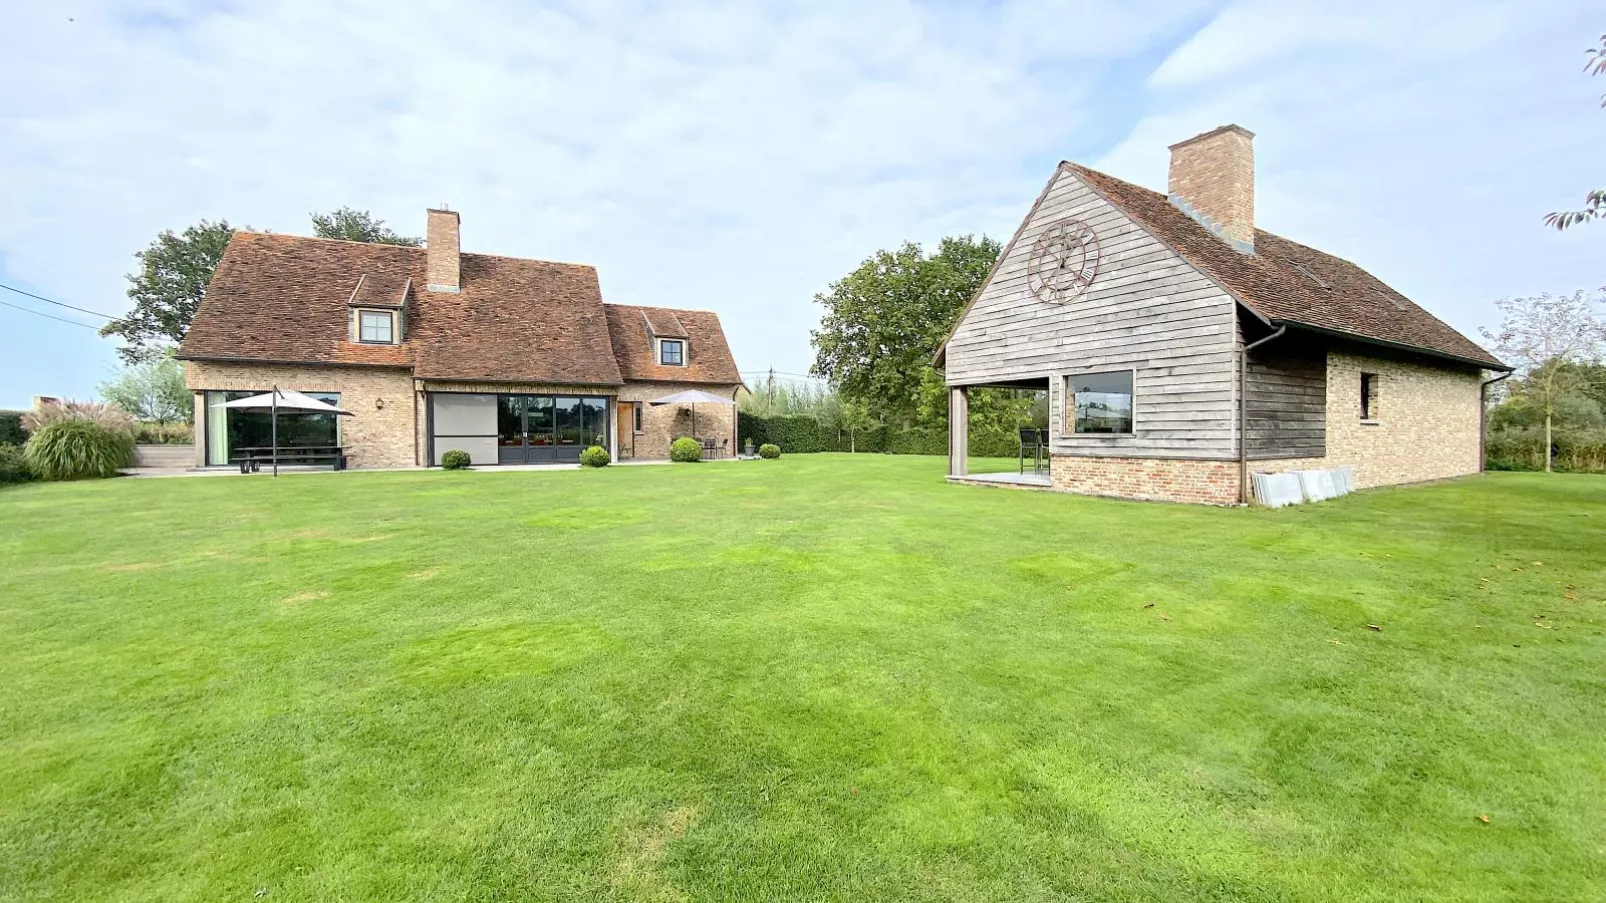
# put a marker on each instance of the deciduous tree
(152, 391)
(349, 224)
(168, 287)
(1545, 337)
(884, 320)
(1595, 201)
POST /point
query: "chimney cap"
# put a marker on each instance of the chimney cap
(1220, 129)
(442, 209)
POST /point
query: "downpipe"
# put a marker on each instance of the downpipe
(1243, 412)
(1483, 417)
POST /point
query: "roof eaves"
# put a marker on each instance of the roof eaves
(1490, 364)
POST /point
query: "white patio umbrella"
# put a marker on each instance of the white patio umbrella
(693, 397)
(283, 400)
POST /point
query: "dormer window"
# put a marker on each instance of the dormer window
(672, 352)
(376, 327)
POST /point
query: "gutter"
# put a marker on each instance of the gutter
(1243, 411)
(1483, 415)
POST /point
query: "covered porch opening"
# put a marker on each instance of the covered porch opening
(998, 433)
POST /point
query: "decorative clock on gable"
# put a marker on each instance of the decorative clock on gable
(1064, 261)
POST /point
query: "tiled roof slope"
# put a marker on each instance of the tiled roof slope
(1333, 294)
(708, 357)
(285, 298)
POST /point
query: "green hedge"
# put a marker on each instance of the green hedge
(803, 435)
(13, 465)
(11, 431)
(1577, 451)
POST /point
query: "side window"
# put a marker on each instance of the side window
(1098, 403)
(637, 408)
(1368, 396)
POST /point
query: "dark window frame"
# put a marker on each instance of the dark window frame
(638, 425)
(680, 352)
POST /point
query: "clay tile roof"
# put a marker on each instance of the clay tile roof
(381, 290)
(1287, 282)
(663, 323)
(285, 298)
(708, 357)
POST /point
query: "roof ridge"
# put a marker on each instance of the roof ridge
(264, 233)
(682, 310)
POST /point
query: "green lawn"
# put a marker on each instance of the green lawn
(823, 677)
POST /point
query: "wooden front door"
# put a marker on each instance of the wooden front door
(627, 429)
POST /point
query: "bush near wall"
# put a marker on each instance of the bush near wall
(804, 435)
(78, 450)
(11, 429)
(1577, 451)
(13, 466)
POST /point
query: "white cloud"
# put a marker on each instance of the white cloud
(1423, 140)
(713, 154)
(739, 157)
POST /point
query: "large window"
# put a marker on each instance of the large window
(671, 352)
(230, 431)
(547, 429)
(376, 327)
(1099, 403)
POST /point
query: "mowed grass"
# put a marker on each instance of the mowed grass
(825, 677)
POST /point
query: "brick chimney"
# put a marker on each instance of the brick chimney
(1213, 181)
(441, 251)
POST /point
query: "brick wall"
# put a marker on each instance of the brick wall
(1215, 174)
(1154, 479)
(1425, 426)
(386, 422)
(663, 424)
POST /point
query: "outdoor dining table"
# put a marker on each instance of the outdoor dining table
(253, 457)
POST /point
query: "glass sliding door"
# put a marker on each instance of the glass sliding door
(570, 429)
(231, 433)
(546, 429)
(538, 429)
(510, 429)
(595, 422)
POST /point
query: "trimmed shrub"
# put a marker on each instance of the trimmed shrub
(686, 450)
(456, 459)
(13, 466)
(78, 450)
(11, 431)
(595, 456)
(769, 450)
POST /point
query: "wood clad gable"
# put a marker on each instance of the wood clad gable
(1147, 310)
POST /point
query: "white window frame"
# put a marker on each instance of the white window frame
(389, 314)
(685, 352)
(1067, 411)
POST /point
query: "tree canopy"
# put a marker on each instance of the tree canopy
(167, 288)
(151, 392)
(884, 320)
(358, 225)
(1595, 201)
(1551, 341)
(176, 269)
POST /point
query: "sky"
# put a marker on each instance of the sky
(741, 156)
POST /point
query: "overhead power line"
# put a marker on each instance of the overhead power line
(82, 310)
(40, 313)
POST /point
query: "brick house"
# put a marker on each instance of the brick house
(1182, 349)
(514, 361)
